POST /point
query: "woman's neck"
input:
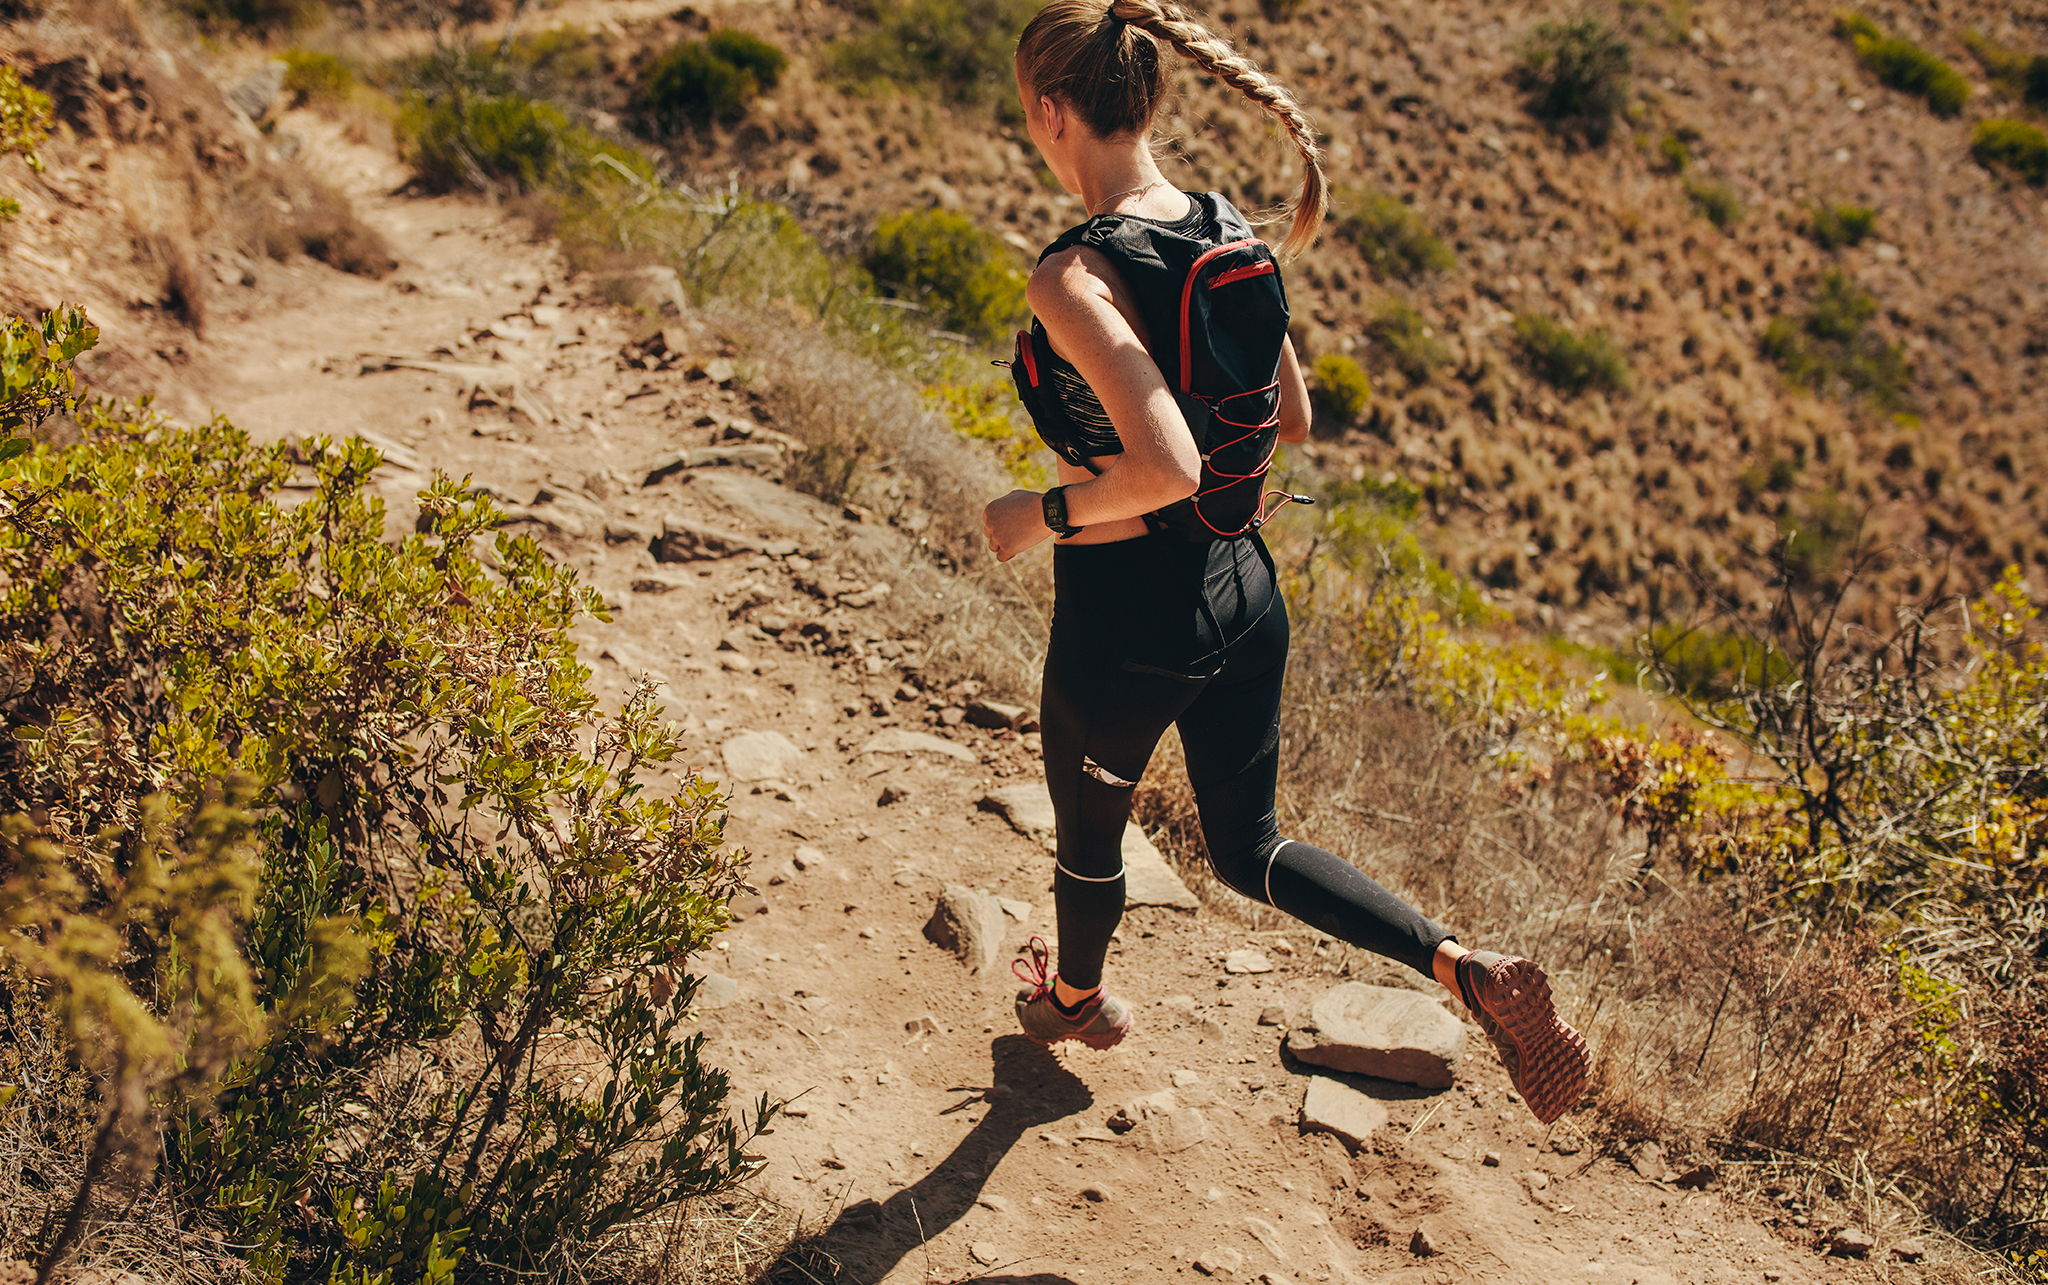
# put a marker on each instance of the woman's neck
(1127, 180)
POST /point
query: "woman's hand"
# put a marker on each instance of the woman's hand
(1014, 522)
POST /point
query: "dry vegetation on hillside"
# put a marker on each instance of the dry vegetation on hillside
(1639, 502)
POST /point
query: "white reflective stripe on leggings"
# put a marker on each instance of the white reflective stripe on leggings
(1085, 879)
(1270, 859)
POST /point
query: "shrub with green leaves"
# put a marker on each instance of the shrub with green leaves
(1393, 239)
(24, 124)
(2014, 145)
(462, 141)
(454, 858)
(311, 77)
(972, 281)
(961, 49)
(1409, 339)
(1674, 153)
(1577, 77)
(36, 379)
(1832, 349)
(1568, 360)
(1833, 226)
(698, 82)
(2024, 76)
(1904, 65)
(1341, 389)
(1716, 202)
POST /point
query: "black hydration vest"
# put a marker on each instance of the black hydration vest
(1217, 316)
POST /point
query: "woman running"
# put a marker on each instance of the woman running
(1163, 615)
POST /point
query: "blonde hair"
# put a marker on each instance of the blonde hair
(1103, 63)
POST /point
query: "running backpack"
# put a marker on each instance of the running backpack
(1217, 316)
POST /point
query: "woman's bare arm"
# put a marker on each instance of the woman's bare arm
(1294, 407)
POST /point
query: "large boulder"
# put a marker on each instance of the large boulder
(1381, 1031)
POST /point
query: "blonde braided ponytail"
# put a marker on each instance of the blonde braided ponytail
(1104, 62)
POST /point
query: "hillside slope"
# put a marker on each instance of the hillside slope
(1635, 503)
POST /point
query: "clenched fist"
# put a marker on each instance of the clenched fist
(1014, 522)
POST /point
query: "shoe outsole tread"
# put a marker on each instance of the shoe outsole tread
(1545, 1057)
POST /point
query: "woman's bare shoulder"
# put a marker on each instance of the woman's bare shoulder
(1077, 274)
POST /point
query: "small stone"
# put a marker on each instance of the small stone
(968, 922)
(926, 1025)
(715, 991)
(1171, 1133)
(685, 541)
(1491, 1160)
(1695, 1178)
(1381, 1031)
(993, 714)
(1209, 1028)
(1096, 1193)
(808, 858)
(1421, 1244)
(1274, 1278)
(1273, 1015)
(1649, 1162)
(1334, 1107)
(1537, 1180)
(1183, 1078)
(1911, 1250)
(1851, 1242)
(736, 639)
(1223, 1264)
(985, 1253)
(1268, 1235)
(1017, 910)
(891, 794)
(1772, 1276)
(1239, 962)
(951, 716)
(990, 1200)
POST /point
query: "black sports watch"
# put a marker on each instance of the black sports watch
(1054, 503)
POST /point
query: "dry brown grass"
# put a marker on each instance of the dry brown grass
(875, 442)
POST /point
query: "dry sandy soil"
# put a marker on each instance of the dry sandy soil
(948, 1148)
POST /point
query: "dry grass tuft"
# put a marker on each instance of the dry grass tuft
(874, 441)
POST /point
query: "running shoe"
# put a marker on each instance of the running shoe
(1510, 999)
(1102, 1022)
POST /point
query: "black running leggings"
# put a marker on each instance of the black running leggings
(1157, 631)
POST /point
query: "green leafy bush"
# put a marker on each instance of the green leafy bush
(749, 53)
(24, 124)
(2024, 76)
(1904, 65)
(1408, 338)
(698, 82)
(462, 141)
(1717, 202)
(962, 49)
(1392, 238)
(1577, 76)
(1831, 346)
(36, 379)
(970, 279)
(447, 857)
(1568, 360)
(2015, 145)
(1342, 390)
(1674, 152)
(311, 77)
(1833, 226)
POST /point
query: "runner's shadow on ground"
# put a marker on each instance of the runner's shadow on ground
(1029, 1088)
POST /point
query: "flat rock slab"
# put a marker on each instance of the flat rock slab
(1381, 1031)
(715, 990)
(1170, 1132)
(761, 756)
(1336, 1108)
(895, 740)
(761, 504)
(1148, 880)
(1246, 961)
(1028, 809)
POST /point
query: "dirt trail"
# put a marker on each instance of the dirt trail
(934, 1142)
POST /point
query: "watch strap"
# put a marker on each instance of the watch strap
(1053, 505)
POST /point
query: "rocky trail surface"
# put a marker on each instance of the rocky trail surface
(925, 1138)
